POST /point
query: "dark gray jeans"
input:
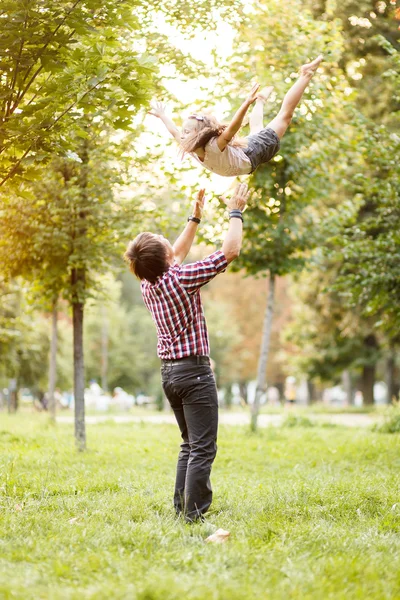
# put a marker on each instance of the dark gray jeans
(192, 394)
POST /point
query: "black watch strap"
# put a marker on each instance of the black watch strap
(194, 219)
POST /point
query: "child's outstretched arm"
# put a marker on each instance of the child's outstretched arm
(158, 110)
(185, 240)
(237, 120)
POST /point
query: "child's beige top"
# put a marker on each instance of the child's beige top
(232, 161)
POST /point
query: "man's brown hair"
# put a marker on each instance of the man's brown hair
(147, 257)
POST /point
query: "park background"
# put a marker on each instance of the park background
(315, 296)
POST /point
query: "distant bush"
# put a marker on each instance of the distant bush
(391, 422)
(297, 421)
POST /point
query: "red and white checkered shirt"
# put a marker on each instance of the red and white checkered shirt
(175, 305)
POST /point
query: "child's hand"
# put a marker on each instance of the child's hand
(157, 110)
(252, 97)
(199, 204)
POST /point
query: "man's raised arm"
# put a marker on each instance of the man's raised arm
(185, 240)
(193, 276)
(233, 239)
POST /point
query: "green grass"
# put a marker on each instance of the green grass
(314, 513)
(391, 423)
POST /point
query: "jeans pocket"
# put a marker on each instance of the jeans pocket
(187, 374)
(196, 386)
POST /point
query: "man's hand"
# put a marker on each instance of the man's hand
(157, 110)
(239, 198)
(252, 97)
(199, 204)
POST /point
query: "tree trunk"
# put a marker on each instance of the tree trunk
(368, 374)
(368, 380)
(12, 396)
(79, 371)
(53, 363)
(78, 284)
(390, 385)
(347, 386)
(243, 387)
(228, 396)
(104, 349)
(311, 391)
(264, 351)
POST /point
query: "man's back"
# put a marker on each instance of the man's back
(175, 304)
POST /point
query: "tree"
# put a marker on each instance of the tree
(72, 234)
(235, 327)
(89, 55)
(355, 268)
(363, 238)
(132, 341)
(370, 34)
(326, 338)
(61, 58)
(23, 342)
(292, 180)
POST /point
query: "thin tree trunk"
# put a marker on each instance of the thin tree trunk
(79, 371)
(14, 401)
(78, 284)
(228, 397)
(243, 387)
(347, 386)
(311, 391)
(368, 374)
(53, 363)
(264, 351)
(368, 381)
(104, 349)
(13, 396)
(390, 366)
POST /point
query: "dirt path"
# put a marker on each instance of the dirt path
(231, 418)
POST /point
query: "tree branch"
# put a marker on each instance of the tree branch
(16, 71)
(24, 91)
(37, 92)
(73, 104)
(17, 164)
(15, 167)
(40, 53)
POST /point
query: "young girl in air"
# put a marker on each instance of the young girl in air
(214, 145)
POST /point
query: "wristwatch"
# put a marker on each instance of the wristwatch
(194, 219)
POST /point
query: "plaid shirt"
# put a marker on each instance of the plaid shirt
(175, 305)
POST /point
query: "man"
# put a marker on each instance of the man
(171, 292)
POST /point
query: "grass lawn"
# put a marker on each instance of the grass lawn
(313, 513)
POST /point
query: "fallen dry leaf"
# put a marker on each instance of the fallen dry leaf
(18, 507)
(73, 520)
(219, 537)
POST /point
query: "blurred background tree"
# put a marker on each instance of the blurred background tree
(82, 174)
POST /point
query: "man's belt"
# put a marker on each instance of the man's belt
(191, 360)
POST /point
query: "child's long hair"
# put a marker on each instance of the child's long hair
(207, 128)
